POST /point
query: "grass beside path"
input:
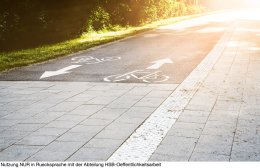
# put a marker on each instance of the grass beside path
(13, 59)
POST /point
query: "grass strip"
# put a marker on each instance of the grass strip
(14, 59)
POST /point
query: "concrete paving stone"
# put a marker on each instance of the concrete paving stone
(194, 107)
(26, 91)
(202, 98)
(90, 93)
(61, 124)
(40, 106)
(87, 129)
(122, 86)
(5, 143)
(184, 125)
(50, 91)
(248, 119)
(189, 133)
(136, 114)
(67, 94)
(249, 136)
(158, 94)
(213, 149)
(95, 122)
(36, 140)
(51, 101)
(227, 118)
(65, 106)
(40, 84)
(26, 127)
(179, 142)
(125, 118)
(231, 97)
(8, 123)
(245, 147)
(114, 93)
(218, 131)
(167, 158)
(103, 100)
(49, 131)
(245, 157)
(164, 87)
(7, 99)
(192, 119)
(43, 118)
(138, 111)
(76, 137)
(11, 109)
(206, 157)
(101, 88)
(3, 128)
(177, 151)
(212, 144)
(225, 112)
(114, 125)
(18, 116)
(21, 103)
(140, 91)
(125, 102)
(250, 110)
(71, 86)
(2, 103)
(108, 113)
(74, 118)
(86, 110)
(104, 143)
(196, 113)
(18, 152)
(227, 105)
(79, 99)
(91, 154)
(13, 135)
(221, 125)
(56, 151)
(150, 102)
(117, 131)
(3, 113)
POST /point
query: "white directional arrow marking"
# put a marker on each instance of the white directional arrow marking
(159, 63)
(65, 70)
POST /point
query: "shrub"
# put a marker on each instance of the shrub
(99, 19)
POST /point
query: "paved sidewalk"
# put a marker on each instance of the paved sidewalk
(222, 120)
(58, 121)
(73, 121)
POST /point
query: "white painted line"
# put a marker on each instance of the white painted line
(65, 70)
(93, 60)
(145, 140)
(159, 63)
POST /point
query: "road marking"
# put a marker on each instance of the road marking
(145, 140)
(141, 75)
(62, 71)
(93, 60)
(157, 64)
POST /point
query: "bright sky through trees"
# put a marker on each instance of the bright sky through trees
(223, 4)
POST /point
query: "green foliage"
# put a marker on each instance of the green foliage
(31, 23)
(99, 19)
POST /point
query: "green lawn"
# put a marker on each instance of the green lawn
(9, 60)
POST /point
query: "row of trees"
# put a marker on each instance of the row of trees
(30, 23)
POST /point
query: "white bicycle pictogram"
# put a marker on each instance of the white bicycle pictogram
(141, 75)
(93, 60)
